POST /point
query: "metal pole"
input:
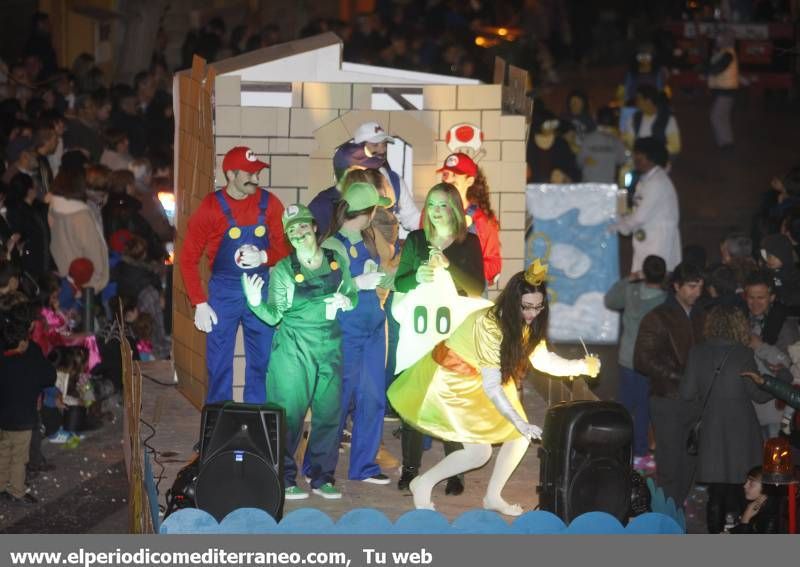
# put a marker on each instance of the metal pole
(88, 310)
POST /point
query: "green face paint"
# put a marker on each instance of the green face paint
(301, 235)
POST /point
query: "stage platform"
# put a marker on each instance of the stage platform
(177, 425)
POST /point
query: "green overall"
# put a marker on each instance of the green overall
(306, 359)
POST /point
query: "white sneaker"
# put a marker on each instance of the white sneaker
(60, 437)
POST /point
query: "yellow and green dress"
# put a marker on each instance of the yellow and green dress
(442, 394)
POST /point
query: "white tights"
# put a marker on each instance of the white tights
(473, 456)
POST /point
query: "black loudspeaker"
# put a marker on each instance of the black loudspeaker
(585, 460)
(241, 462)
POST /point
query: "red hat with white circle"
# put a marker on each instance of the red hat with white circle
(460, 164)
(242, 158)
(465, 138)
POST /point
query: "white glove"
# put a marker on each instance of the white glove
(334, 303)
(368, 281)
(252, 288)
(204, 317)
(248, 256)
(424, 274)
(492, 386)
(530, 431)
(339, 301)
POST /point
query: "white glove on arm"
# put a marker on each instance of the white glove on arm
(339, 301)
(368, 281)
(252, 288)
(204, 317)
(492, 385)
(334, 303)
(251, 257)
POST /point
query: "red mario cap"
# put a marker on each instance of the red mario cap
(244, 159)
(461, 164)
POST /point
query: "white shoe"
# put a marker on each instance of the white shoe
(60, 437)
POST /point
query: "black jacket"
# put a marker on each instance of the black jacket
(22, 379)
(132, 277)
(666, 335)
(31, 222)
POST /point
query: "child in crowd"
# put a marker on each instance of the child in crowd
(55, 328)
(24, 373)
(124, 314)
(139, 278)
(143, 331)
(74, 394)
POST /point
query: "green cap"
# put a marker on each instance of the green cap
(360, 196)
(296, 213)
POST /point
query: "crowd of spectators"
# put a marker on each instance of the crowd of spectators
(83, 237)
(84, 245)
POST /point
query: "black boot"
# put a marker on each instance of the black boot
(408, 474)
(454, 486)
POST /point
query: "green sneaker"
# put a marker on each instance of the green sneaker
(295, 493)
(328, 491)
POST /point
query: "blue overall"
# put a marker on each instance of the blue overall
(363, 370)
(226, 298)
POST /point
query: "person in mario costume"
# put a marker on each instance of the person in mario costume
(239, 229)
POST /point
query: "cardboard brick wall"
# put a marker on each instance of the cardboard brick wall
(299, 143)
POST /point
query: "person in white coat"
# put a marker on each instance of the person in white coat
(75, 232)
(653, 222)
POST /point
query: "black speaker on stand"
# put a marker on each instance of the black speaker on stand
(240, 462)
(585, 460)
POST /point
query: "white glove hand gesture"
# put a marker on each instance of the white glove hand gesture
(437, 259)
(530, 430)
(424, 274)
(339, 301)
(334, 303)
(248, 256)
(368, 281)
(252, 288)
(204, 317)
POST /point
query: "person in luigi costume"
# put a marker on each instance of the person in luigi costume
(363, 330)
(306, 289)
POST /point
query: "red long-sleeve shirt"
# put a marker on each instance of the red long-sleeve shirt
(489, 236)
(208, 225)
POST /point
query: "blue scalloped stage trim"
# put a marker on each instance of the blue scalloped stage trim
(371, 521)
